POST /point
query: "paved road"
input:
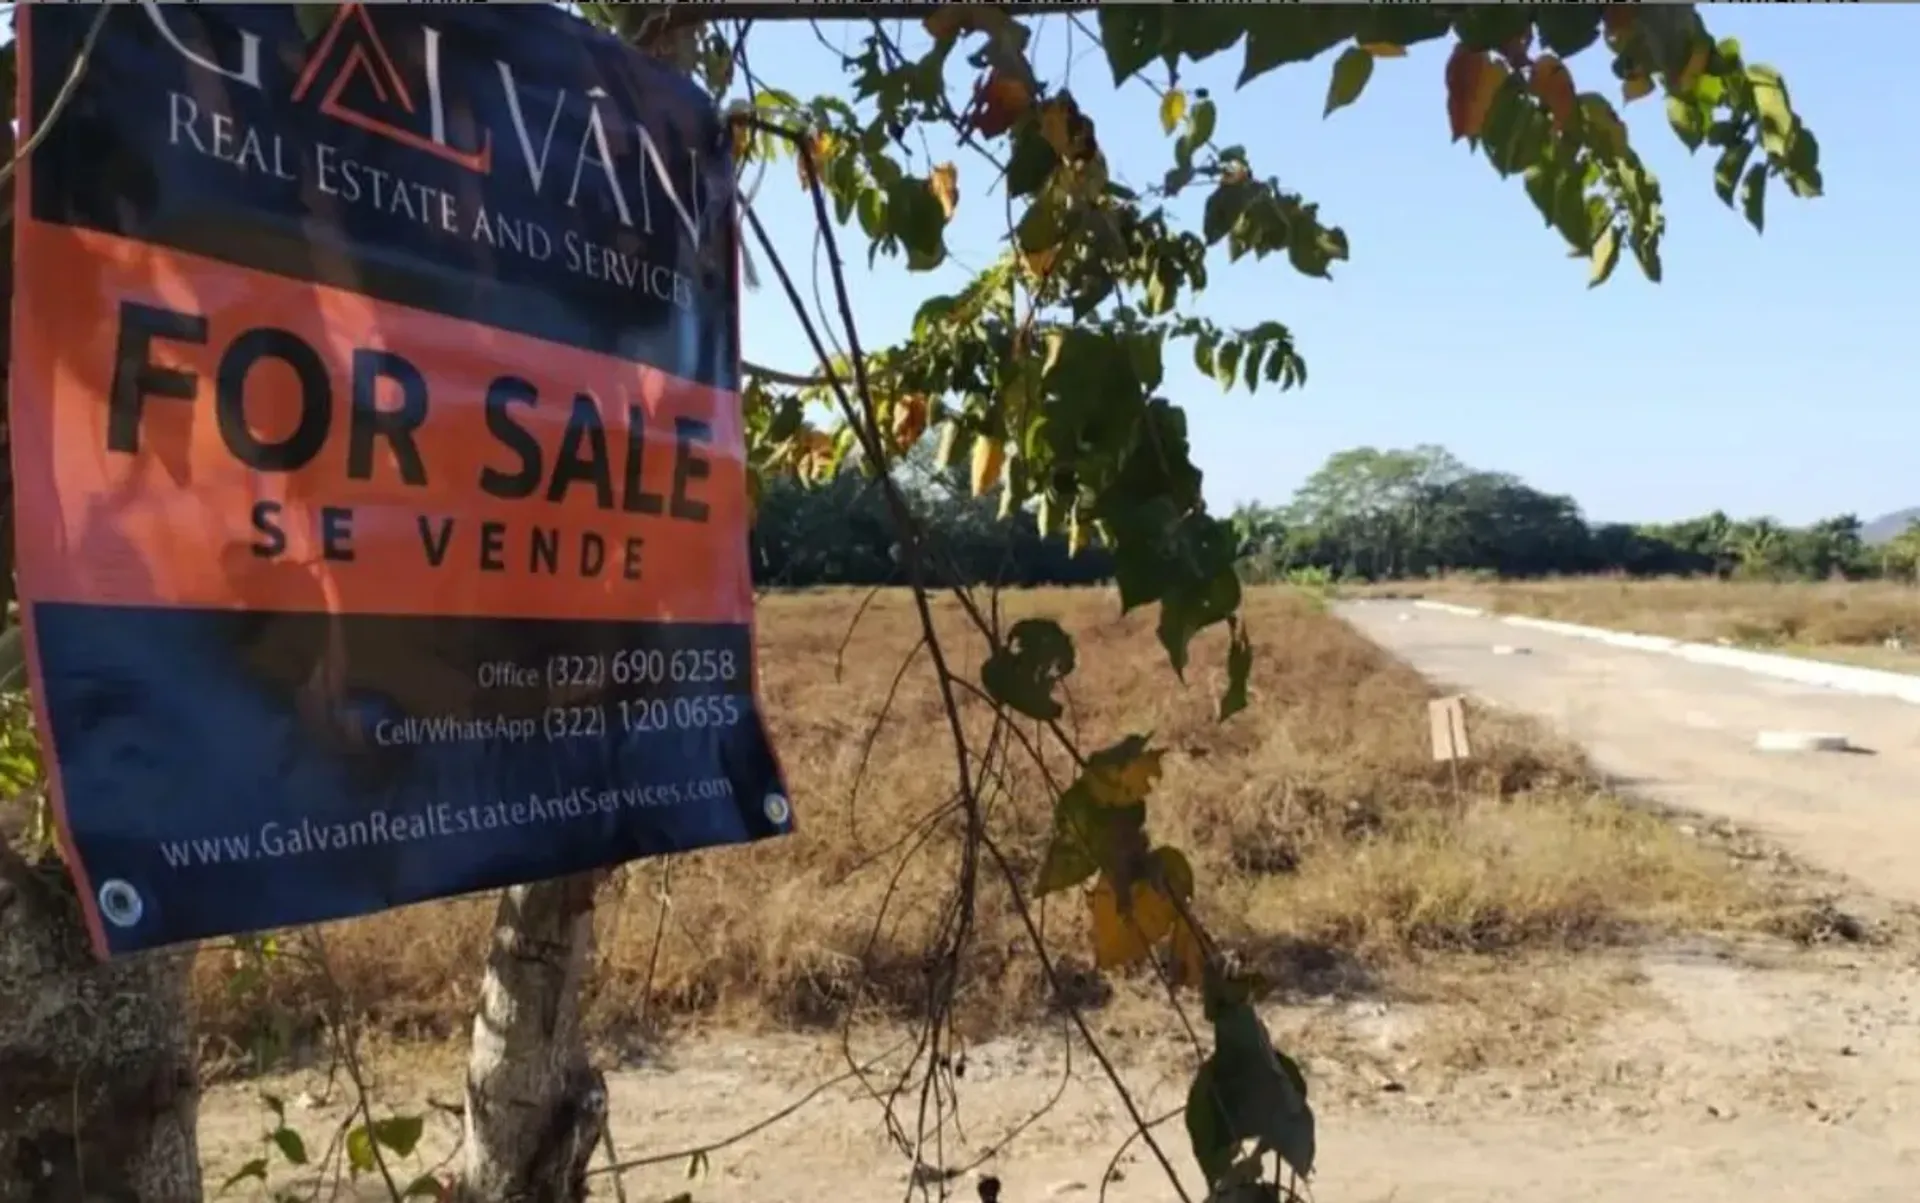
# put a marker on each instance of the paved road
(1682, 733)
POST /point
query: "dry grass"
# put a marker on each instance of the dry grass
(1842, 620)
(1326, 843)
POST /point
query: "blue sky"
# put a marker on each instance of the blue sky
(1767, 375)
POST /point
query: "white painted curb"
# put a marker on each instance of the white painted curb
(1846, 678)
(1801, 741)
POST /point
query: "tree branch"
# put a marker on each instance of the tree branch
(684, 14)
(776, 376)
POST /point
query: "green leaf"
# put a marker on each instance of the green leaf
(1606, 256)
(1021, 674)
(1209, 1131)
(1261, 1093)
(1606, 134)
(914, 217)
(1233, 699)
(426, 1186)
(1250, 365)
(360, 1155)
(1200, 123)
(1131, 36)
(1501, 133)
(872, 211)
(1567, 29)
(1313, 248)
(401, 1133)
(255, 1169)
(13, 659)
(1201, 33)
(1173, 106)
(1776, 112)
(1726, 171)
(1753, 197)
(1400, 25)
(1688, 122)
(1351, 71)
(1226, 365)
(291, 1146)
(1540, 181)
(1570, 214)
(1194, 606)
(1224, 208)
(1087, 837)
(1801, 168)
(1040, 226)
(1032, 161)
(1278, 34)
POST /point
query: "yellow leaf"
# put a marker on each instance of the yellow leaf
(943, 457)
(1173, 106)
(945, 183)
(1124, 937)
(1056, 126)
(1384, 49)
(988, 458)
(909, 420)
(1635, 87)
(813, 458)
(1124, 773)
(820, 149)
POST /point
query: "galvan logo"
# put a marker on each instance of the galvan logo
(367, 57)
(573, 142)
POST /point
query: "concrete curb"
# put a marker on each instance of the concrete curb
(1846, 678)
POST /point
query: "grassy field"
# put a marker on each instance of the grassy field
(1325, 841)
(1850, 621)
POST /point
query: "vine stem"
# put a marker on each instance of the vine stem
(62, 98)
(862, 420)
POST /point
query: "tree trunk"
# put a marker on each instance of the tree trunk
(99, 1095)
(99, 1089)
(535, 1107)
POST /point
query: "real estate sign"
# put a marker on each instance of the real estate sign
(378, 459)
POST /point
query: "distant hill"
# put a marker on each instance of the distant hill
(1886, 526)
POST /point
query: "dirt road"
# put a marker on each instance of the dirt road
(1683, 734)
(1721, 1080)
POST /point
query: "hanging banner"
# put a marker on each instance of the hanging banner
(378, 460)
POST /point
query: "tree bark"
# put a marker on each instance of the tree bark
(535, 1107)
(99, 1088)
(99, 1092)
